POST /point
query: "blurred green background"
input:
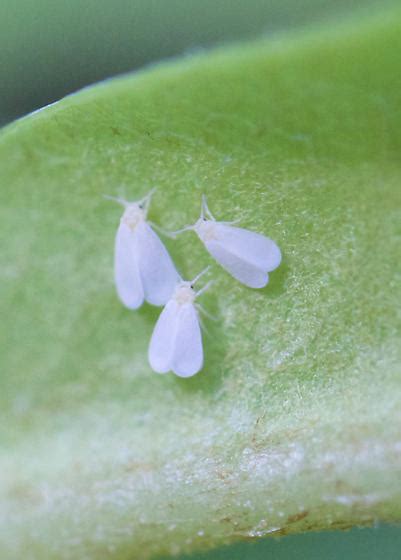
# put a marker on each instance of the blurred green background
(359, 544)
(49, 48)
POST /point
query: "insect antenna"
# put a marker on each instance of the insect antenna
(205, 288)
(202, 273)
(146, 200)
(117, 199)
(231, 222)
(174, 234)
(205, 209)
(162, 231)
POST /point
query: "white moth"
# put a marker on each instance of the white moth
(246, 255)
(143, 269)
(176, 343)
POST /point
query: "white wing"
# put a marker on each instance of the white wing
(241, 270)
(161, 347)
(126, 275)
(157, 271)
(188, 350)
(254, 248)
(247, 255)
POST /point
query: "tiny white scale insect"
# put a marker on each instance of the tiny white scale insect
(176, 343)
(246, 255)
(143, 269)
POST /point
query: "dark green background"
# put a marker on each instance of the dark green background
(359, 544)
(49, 48)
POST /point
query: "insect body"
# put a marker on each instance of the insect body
(143, 269)
(176, 343)
(246, 255)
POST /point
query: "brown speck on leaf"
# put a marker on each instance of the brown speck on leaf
(26, 493)
(297, 516)
(222, 474)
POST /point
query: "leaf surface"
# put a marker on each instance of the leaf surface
(294, 423)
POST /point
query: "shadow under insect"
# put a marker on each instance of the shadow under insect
(277, 282)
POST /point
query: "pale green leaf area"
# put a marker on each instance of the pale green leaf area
(294, 424)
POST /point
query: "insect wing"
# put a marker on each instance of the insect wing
(188, 350)
(157, 271)
(161, 347)
(126, 274)
(256, 249)
(244, 272)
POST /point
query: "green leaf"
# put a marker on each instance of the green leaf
(294, 423)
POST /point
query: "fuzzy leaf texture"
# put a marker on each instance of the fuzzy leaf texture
(294, 423)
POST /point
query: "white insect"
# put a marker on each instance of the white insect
(176, 343)
(246, 255)
(143, 269)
